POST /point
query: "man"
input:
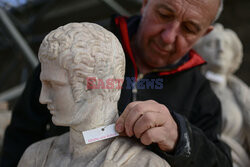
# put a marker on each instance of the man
(181, 120)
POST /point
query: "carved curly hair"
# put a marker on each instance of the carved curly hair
(85, 50)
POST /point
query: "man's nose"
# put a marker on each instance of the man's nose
(170, 32)
(44, 96)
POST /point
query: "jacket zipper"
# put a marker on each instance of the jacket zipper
(134, 90)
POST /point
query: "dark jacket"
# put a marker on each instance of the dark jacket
(181, 88)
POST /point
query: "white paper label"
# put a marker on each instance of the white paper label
(98, 134)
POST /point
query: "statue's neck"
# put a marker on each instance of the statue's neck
(78, 148)
(216, 78)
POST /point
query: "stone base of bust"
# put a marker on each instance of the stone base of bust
(121, 151)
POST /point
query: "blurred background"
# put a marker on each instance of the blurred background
(24, 23)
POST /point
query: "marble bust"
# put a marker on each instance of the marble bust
(69, 56)
(222, 49)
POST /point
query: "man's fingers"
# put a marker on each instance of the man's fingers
(121, 120)
(135, 113)
(138, 110)
(157, 135)
(147, 121)
(152, 135)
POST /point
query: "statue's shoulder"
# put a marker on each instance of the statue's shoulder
(241, 91)
(127, 152)
(36, 152)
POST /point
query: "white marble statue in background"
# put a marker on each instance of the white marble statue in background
(223, 52)
(70, 55)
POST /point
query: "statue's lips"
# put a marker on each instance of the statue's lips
(51, 109)
(52, 112)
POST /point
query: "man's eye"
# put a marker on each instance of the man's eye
(190, 29)
(164, 15)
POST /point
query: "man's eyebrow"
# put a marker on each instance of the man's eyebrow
(165, 7)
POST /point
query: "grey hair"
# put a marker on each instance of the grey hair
(219, 11)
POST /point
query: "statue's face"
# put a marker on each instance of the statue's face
(57, 94)
(216, 50)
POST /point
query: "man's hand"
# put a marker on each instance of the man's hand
(149, 121)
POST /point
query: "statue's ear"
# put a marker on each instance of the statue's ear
(91, 83)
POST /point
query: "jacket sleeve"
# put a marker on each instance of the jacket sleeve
(199, 141)
(28, 122)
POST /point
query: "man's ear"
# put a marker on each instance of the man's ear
(209, 29)
(144, 4)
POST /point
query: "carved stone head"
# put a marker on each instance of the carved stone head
(222, 49)
(69, 56)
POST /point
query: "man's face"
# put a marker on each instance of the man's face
(57, 94)
(169, 29)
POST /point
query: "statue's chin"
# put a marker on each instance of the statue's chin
(65, 122)
(59, 122)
